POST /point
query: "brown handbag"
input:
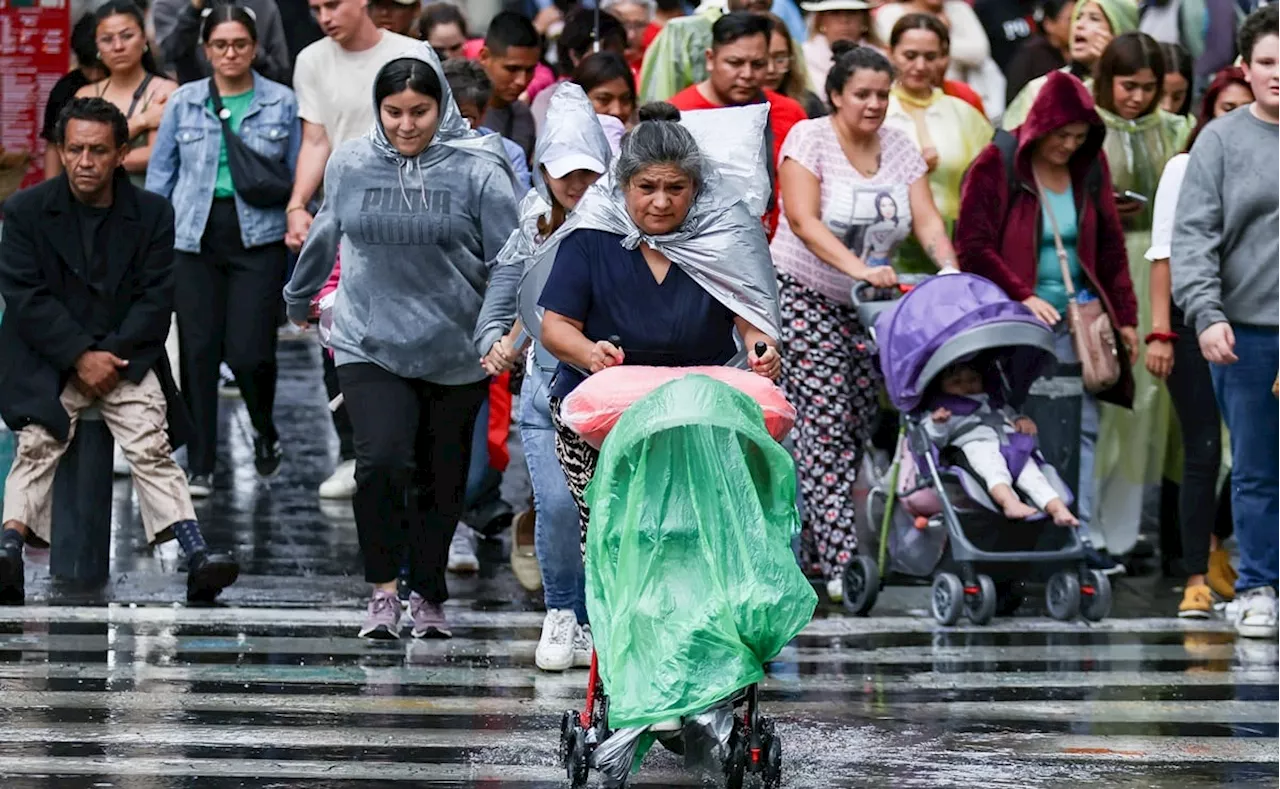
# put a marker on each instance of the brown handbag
(1092, 335)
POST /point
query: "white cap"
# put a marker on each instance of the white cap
(561, 166)
(835, 5)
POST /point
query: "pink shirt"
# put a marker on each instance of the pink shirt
(872, 216)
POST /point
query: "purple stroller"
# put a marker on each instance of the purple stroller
(928, 515)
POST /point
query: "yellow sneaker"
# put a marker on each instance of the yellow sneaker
(1197, 603)
(1221, 576)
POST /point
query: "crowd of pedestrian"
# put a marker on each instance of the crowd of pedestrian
(380, 163)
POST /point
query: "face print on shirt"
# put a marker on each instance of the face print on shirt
(880, 220)
(396, 217)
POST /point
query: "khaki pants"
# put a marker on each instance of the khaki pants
(137, 417)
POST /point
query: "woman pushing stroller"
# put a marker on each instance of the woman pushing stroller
(964, 416)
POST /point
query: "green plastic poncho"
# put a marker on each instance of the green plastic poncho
(1123, 16)
(691, 583)
(1131, 449)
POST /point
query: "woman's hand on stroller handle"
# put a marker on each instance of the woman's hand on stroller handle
(877, 276)
(606, 354)
(765, 360)
(1042, 310)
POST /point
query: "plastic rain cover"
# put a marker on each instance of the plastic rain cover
(691, 583)
(721, 244)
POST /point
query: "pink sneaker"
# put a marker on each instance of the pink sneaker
(383, 618)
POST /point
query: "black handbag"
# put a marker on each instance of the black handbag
(260, 182)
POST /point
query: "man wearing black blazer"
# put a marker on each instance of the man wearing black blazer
(86, 272)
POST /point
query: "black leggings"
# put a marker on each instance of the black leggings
(413, 445)
(1192, 391)
(226, 297)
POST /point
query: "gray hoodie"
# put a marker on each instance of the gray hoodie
(417, 235)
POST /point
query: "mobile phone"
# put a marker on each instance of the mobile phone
(1133, 197)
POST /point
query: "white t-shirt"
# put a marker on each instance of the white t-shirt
(335, 86)
(1162, 213)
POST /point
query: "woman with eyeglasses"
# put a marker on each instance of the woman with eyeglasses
(133, 82)
(230, 254)
(786, 74)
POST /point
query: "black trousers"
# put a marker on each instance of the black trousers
(413, 445)
(1191, 389)
(225, 298)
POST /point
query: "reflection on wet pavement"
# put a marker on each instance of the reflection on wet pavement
(119, 687)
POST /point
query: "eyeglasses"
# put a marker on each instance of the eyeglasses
(240, 45)
(125, 39)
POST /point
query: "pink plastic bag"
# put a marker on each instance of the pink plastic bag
(594, 407)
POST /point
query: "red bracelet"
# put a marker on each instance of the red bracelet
(1160, 336)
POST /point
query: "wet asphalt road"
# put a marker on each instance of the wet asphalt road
(120, 687)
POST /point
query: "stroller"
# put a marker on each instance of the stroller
(692, 588)
(928, 516)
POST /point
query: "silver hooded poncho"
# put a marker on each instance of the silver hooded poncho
(721, 244)
(572, 127)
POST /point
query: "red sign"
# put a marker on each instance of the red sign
(34, 54)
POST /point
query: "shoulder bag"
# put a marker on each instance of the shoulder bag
(260, 182)
(1092, 335)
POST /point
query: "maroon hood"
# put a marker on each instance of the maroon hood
(1062, 100)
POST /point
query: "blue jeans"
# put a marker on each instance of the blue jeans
(1066, 354)
(557, 529)
(480, 478)
(1244, 394)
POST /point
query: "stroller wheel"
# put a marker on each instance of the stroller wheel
(1010, 595)
(773, 763)
(1062, 595)
(981, 607)
(861, 585)
(568, 723)
(735, 767)
(576, 762)
(947, 598)
(1095, 597)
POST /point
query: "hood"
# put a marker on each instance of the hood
(453, 133)
(1122, 14)
(1063, 100)
(571, 127)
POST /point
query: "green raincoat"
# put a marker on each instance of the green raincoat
(1131, 448)
(691, 583)
(1123, 16)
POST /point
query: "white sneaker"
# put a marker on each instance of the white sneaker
(835, 588)
(119, 466)
(556, 647)
(1255, 613)
(342, 483)
(583, 647)
(462, 550)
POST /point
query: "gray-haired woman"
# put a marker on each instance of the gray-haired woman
(626, 270)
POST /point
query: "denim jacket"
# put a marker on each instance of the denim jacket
(184, 158)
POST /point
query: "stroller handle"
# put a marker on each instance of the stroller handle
(870, 301)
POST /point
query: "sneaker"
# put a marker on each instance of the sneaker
(584, 646)
(119, 465)
(1255, 614)
(524, 555)
(428, 618)
(12, 584)
(835, 588)
(462, 550)
(556, 646)
(227, 386)
(1101, 561)
(208, 574)
(382, 620)
(200, 485)
(266, 456)
(342, 483)
(1221, 577)
(1197, 603)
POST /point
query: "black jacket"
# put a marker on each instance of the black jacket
(52, 314)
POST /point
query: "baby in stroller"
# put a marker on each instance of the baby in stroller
(996, 442)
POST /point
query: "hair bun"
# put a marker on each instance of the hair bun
(659, 111)
(841, 48)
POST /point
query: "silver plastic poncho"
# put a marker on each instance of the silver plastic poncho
(721, 244)
(572, 127)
